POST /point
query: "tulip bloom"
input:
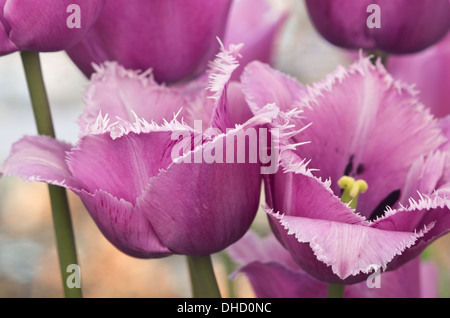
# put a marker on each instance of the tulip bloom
(273, 274)
(367, 126)
(45, 25)
(175, 38)
(404, 26)
(132, 173)
(256, 24)
(429, 71)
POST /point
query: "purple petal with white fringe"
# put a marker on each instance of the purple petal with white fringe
(156, 187)
(273, 273)
(366, 125)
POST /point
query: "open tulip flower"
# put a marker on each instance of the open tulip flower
(273, 274)
(141, 180)
(42, 25)
(376, 193)
(403, 26)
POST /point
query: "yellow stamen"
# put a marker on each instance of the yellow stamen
(360, 186)
(346, 182)
(351, 190)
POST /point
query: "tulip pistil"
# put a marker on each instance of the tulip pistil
(351, 190)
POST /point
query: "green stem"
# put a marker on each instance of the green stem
(203, 280)
(229, 268)
(62, 222)
(336, 291)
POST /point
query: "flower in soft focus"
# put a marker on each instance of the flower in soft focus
(257, 24)
(368, 133)
(273, 274)
(132, 173)
(405, 26)
(42, 25)
(176, 38)
(429, 71)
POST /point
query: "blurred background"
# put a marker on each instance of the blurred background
(28, 260)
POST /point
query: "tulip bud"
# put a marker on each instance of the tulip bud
(398, 27)
(175, 38)
(45, 25)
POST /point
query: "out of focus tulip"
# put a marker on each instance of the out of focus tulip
(429, 71)
(45, 25)
(392, 26)
(256, 24)
(176, 38)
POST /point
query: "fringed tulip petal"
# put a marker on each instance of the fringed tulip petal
(365, 100)
(356, 113)
(123, 93)
(424, 176)
(288, 187)
(348, 249)
(237, 105)
(100, 162)
(428, 210)
(283, 90)
(39, 158)
(272, 273)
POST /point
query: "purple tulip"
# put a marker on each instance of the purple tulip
(45, 25)
(367, 126)
(273, 274)
(131, 173)
(256, 24)
(399, 27)
(429, 70)
(174, 37)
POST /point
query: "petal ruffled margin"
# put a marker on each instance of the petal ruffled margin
(273, 273)
(120, 166)
(121, 93)
(427, 210)
(40, 158)
(125, 95)
(349, 249)
(264, 85)
(325, 236)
